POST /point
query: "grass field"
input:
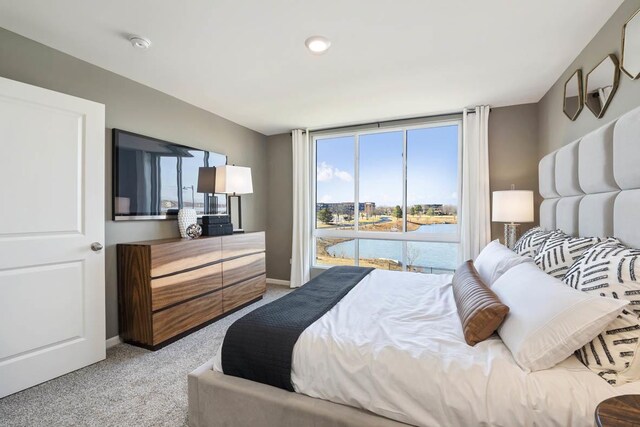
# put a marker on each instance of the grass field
(413, 222)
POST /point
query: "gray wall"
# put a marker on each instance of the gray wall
(513, 159)
(555, 128)
(513, 154)
(279, 206)
(138, 108)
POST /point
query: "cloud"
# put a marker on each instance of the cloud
(326, 172)
(342, 175)
(454, 195)
(325, 199)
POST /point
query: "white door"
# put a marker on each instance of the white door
(51, 211)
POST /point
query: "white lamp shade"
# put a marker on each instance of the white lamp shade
(512, 206)
(233, 180)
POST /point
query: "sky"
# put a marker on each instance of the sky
(432, 167)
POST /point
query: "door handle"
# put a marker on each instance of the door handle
(96, 247)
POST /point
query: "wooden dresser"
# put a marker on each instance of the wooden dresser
(169, 288)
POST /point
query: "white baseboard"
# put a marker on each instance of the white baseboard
(113, 341)
(278, 282)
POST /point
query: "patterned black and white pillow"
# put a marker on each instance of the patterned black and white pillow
(531, 241)
(612, 270)
(558, 253)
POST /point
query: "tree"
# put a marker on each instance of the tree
(413, 252)
(412, 211)
(397, 211)
(430, 211)
(418, 209)
(325, 216)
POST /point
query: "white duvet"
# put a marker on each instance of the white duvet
(394, 346)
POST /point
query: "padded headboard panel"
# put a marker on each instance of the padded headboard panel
(591, 187)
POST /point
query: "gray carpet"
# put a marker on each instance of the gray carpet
(132, 387)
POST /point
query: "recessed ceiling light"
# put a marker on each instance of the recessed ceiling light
(317, 44)
(140, 42)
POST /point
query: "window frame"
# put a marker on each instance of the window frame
(357, 234)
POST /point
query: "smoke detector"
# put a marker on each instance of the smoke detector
(139, 42)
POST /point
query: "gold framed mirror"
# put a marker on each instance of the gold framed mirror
(630, 63)
(573, 96)
(602, 83)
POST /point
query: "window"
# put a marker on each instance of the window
(388, 198)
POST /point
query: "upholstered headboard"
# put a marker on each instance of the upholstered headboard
(591, 187)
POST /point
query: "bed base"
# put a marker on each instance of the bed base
(217, 400)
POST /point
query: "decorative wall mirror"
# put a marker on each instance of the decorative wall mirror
(573, 98)
(631, 46)
(602, 83)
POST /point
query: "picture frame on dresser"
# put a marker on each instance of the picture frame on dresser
(170, 288)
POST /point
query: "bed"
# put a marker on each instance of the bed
(413, 366)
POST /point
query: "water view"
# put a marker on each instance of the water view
(421, 256)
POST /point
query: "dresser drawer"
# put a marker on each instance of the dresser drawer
(172, 289)
(176, 256)
(176, 320)
(242, 244)
(236, 295)
(238, 269)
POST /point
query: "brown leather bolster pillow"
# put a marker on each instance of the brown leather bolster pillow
(480, 310)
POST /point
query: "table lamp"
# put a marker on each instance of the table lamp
(512, 206)
(234, 181)
(207, 185)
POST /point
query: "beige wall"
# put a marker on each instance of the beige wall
(138, 108)
(279, 206)
(555, 129)
(513, 154)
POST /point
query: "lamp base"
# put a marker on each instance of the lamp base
(511, 235)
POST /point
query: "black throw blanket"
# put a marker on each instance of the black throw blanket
(259, 346)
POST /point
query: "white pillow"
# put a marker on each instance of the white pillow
(495, 260)
(547, 319)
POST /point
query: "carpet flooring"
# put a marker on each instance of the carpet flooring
(131, 387)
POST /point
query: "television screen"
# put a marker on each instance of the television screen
(153, 179)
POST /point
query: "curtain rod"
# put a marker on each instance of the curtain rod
(383, 122)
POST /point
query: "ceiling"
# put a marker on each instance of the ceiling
(246, 60)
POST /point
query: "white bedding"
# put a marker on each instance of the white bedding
(401, 354)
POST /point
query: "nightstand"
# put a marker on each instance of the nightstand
(619, 411)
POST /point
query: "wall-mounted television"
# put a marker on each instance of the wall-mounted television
(153, 179)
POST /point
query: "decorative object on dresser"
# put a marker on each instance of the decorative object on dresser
(168, 288)
(631, 46)
(234, 181)
(194, 231)
(602, 83)
(573, 100)
(512, 206)
(186, 217)
(619, 411)
(216, 225)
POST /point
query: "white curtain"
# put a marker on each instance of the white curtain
(476, 225)
(301, 238)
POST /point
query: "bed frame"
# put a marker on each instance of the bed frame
(590, 187)
(216, 400)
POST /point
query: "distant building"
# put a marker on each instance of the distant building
(369, 208)
(346, 208)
